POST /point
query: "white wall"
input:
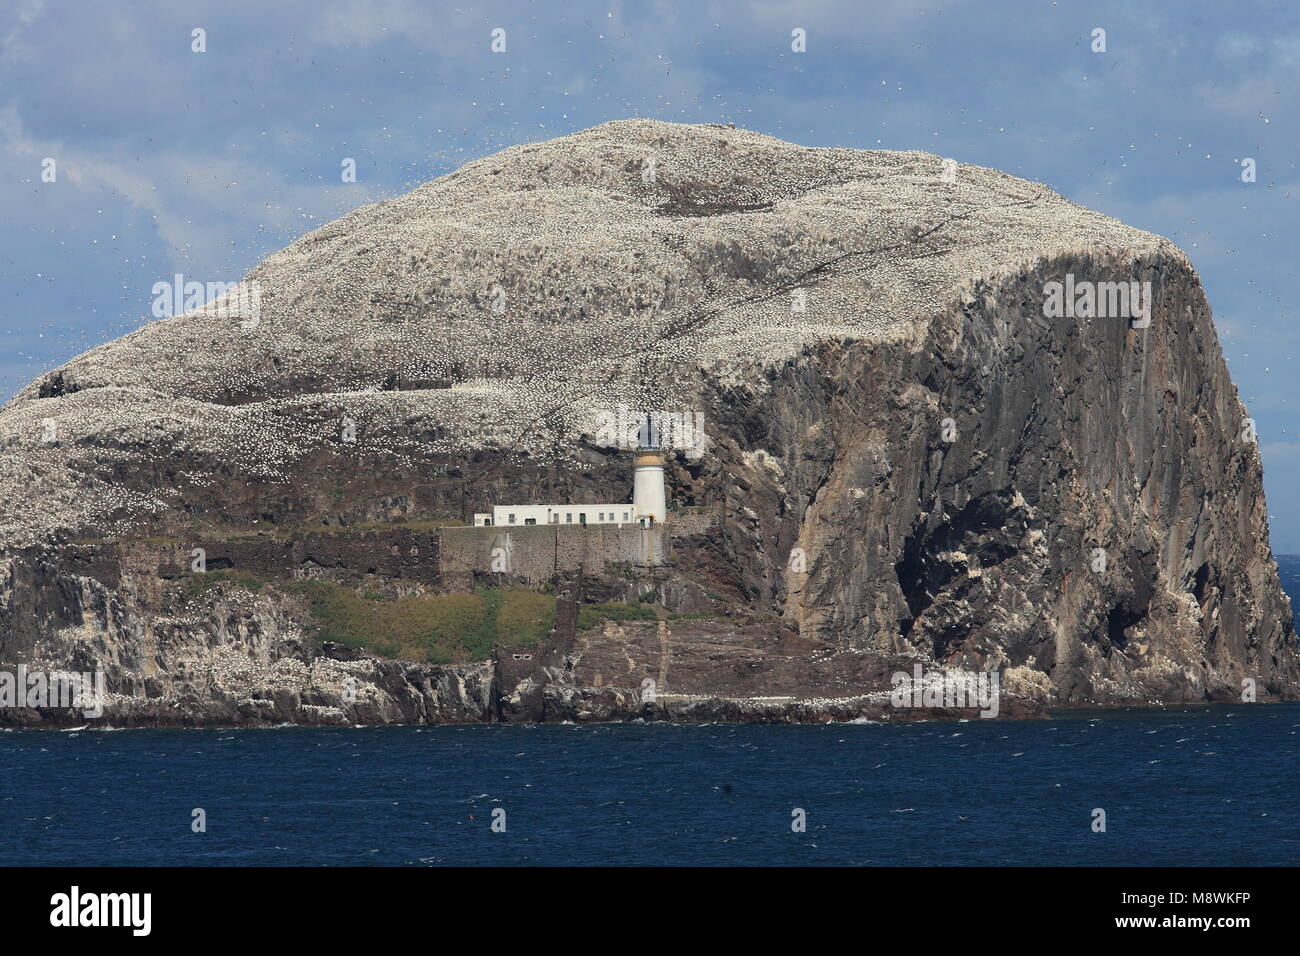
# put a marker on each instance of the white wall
(507, 515)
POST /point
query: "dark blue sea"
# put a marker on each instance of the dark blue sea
(1205, 785)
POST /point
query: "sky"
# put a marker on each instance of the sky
(169, 160)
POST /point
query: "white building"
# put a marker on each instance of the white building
(649, 504)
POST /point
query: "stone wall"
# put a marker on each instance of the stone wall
(533, 554)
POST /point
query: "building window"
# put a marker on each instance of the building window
(624, 515)
(512, 520)
(530, 521)
(568, 519)
(555, 518)
(582, 517)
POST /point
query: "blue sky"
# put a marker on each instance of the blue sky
(202, 163)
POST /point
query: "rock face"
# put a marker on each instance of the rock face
(909, 458)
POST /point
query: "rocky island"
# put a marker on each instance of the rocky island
(939, 418)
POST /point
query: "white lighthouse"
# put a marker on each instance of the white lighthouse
(649, 496)
(649, 500)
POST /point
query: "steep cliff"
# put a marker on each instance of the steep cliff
(911, 457)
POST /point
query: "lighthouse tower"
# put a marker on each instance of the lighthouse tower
(649, 500)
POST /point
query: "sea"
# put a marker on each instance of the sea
(1176, 786)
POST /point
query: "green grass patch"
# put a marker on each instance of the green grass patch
(436, 628)
(593, 615)
(524, 616)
